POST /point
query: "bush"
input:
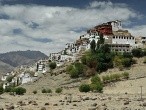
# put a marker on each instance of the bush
(20, 90)
(35, 92)
(126, 62)
(48, 91)
(106, 78)
(137, 52)
(84, 88)
(69, 68)
(98, 87)
(1, 90)
(74, 73)
(83, 60)
(95, 79)
(52, 65)
(125, 75)
(58, 90)
(44, 91)
(8, 89)
(79, 67)
(116, 77)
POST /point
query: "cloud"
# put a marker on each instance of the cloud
(48, 29)
(138, 30)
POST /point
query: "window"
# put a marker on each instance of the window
(143, 42)
(113, 37)
(124, 37)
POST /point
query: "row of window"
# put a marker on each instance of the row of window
(122, 37)
(124, 50)
(127, 46)
(143, 37)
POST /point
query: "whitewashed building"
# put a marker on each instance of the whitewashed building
(4, 76)
(116, 25)
(123, 37)
(24, 78)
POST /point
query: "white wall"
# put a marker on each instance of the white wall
(117, 25)
(119, 40)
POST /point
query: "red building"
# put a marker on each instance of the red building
(105, 29)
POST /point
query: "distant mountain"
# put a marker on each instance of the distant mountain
(5, 67)
(17, 58)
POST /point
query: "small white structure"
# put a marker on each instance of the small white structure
(4, 77)
(116, 25)
(24, 78)
(67, 58)
(5, 85)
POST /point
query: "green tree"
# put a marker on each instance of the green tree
(137, 52)
(52, 65)
(100, 41)
(84, 88)
(105, 48)
(20, 90)
(93, 45)
(80, 67)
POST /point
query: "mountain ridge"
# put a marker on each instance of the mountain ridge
(17, 58)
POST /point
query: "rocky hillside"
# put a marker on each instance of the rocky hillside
(13, 59)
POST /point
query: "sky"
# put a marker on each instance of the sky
(47, 25)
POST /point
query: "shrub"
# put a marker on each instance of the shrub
(83, 60)
(137, 52)
(126, 62)
(106, 78)
(35, 92)
(48, 91)
(20, 90)
(74, 73)
(98, 87)
(95, 79)
(84, 88)
(1, 90)
(8, 89)
(52, 65)
(44, 91)
(69, 68)
(116, 77)
(79, 67)
(58, 90)
(125, 75)
(127, 55)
